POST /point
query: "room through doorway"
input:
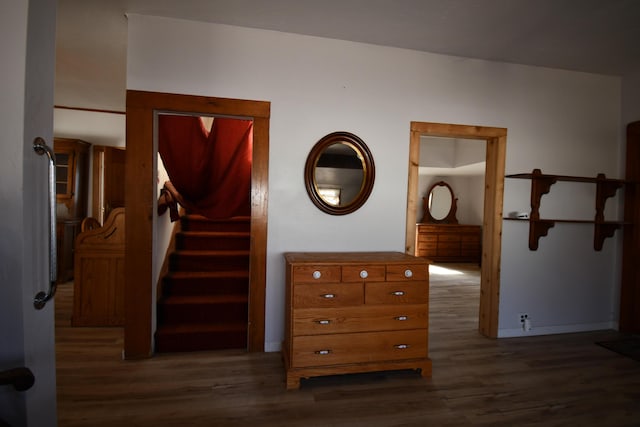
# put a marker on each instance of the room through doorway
(494, 141)
(449, 229)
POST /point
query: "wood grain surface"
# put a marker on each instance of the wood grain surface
(556, 380)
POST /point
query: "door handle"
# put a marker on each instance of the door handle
(41, 298)
(20, 378)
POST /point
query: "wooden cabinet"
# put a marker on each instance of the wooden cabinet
(107, 180)
(355, 312)
(98, 287)
(449, 242)
(72, 180)
(66, 232)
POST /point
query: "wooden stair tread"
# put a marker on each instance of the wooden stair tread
(203, 253)
(200, 218)
(185, 328)
(206, 233)
(205, 299)
(224, 274)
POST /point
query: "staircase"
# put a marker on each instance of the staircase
(204, 302)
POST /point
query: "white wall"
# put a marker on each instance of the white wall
(563, 122)
(27, 36)
(461, 164)
(469, 190)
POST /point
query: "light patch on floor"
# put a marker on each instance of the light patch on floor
(435, 269)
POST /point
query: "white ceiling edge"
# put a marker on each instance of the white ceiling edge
(97, 128)
(474, 169)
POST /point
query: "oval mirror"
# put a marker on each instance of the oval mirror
(440, 205)
(339, 173)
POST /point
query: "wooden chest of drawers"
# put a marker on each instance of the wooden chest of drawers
(350, 312)
(449, 242)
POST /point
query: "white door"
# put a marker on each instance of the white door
(27, 49)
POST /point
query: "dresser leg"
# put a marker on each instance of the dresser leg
(425, 370)
(293, 381)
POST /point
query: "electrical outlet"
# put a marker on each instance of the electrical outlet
(525, 321)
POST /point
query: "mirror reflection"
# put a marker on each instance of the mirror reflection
(440, 202)
(440, 205)
(339, 173)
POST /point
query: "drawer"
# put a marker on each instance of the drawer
(430, 245)
(317, 321)
(397, 272)
(326, 350)
(449, 237)
(328, 295)
(449, 245)
(452, 252)
(427, 238)
(316, 274)
(470, 250)
(396, 293)
(358, 273)
(426, 253)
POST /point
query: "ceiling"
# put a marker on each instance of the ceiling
(595, 36)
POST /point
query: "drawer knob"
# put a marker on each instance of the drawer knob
(408, 273)
(364, 274)
(317, 274)
(397, 293)
(401, 346)
(328, 296)
(401, 318)
(322, 352)
(323, 322)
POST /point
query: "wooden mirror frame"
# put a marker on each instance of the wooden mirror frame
(368, 169)
(451, 216)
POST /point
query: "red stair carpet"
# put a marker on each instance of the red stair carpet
(204, 302)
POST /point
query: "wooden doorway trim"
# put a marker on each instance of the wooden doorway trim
(496, 139)
(140, 173)
(629, 320)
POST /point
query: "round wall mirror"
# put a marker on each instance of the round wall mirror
(339, 173)
(440, 205)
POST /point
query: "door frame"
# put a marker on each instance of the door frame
(140, 199)
(496, 140)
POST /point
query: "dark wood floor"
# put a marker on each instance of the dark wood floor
(560, 380)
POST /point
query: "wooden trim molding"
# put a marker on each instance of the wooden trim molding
(140, 174)
(496, 140)
(630, 283)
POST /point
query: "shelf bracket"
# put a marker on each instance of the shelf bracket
(601, 231)
(604, 190)
(539, 186)
(537, 229)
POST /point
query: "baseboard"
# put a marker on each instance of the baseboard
(561, 329)
(270, 347)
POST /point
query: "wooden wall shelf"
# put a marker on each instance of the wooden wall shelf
(541, 185)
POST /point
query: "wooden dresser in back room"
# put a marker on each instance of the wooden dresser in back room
(449, 242)
(349, 312)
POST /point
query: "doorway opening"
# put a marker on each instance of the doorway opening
(140, 200)
(495, 139)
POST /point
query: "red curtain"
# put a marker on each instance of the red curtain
(210, 170)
